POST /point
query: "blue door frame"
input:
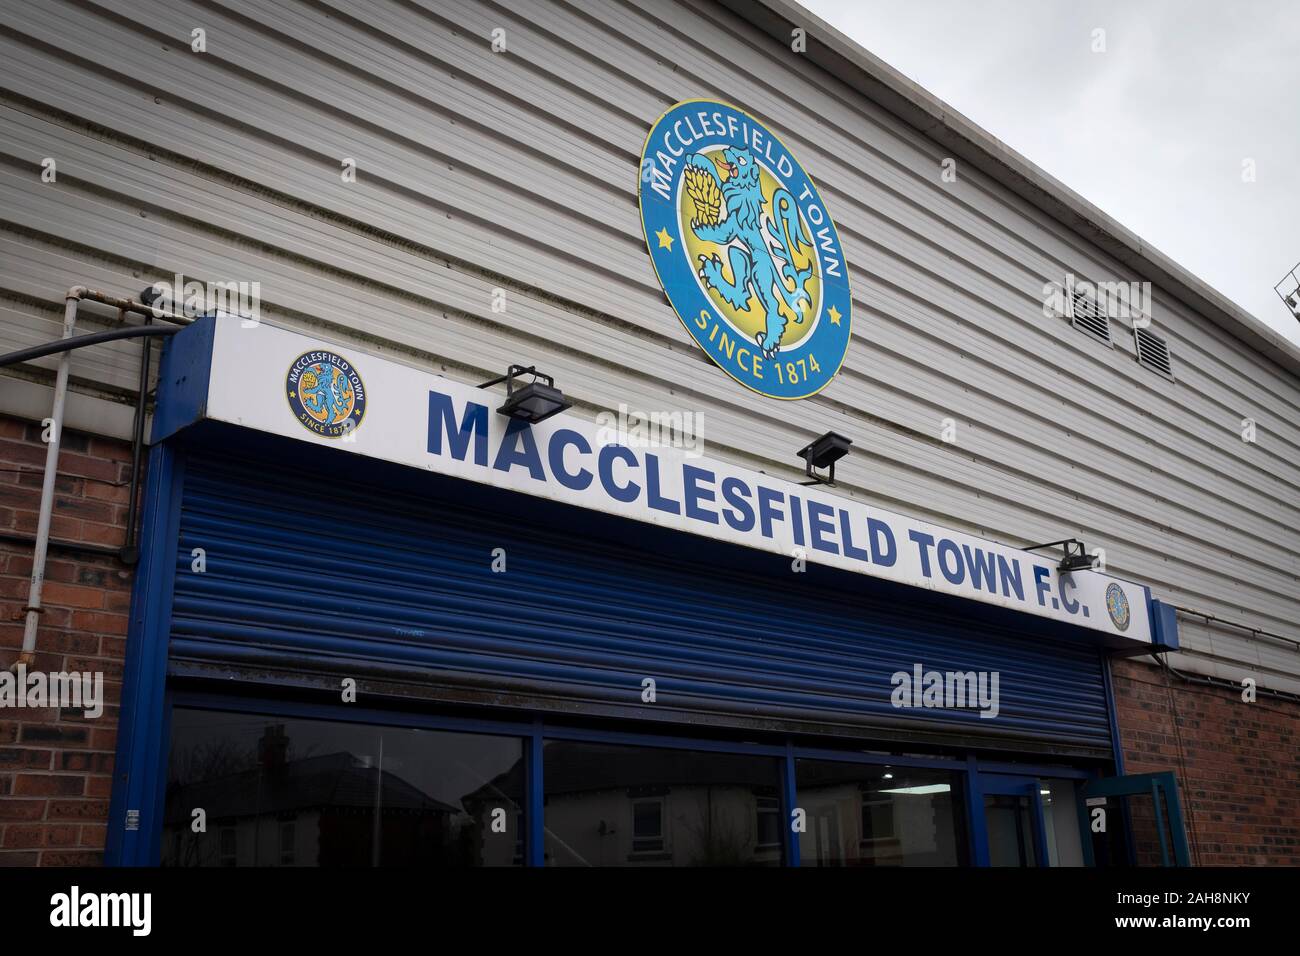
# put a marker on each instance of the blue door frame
(1011, 785)
(1162, 788)
(139, 770)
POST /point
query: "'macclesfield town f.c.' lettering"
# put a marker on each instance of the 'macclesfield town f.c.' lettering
(564, 461)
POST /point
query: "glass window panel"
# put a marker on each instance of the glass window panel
(1108, 843)
(647, 819)
(1151, 834)
(286, 791)
(1061, 820)
(871, 815)
(610, 805)
(769, 821)
(1010, 830)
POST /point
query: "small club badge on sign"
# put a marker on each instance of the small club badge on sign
(325, 393)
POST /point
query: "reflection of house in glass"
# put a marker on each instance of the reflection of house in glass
(868, 815)
(336, 809)
(616, 806)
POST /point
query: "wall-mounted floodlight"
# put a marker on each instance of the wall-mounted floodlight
(824, 453)
(534, 402)
(1075, 555)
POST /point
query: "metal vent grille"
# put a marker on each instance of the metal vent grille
(1085, 316)
(1153, 352)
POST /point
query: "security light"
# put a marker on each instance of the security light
(1075, 556)
(534, 402)
(824, 453)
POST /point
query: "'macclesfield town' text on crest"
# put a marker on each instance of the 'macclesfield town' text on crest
(745, 249)
(325, 393)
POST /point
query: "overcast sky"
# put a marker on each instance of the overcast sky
(1153, 131)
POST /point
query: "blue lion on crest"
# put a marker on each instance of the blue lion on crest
(752, 253)
(329, 395)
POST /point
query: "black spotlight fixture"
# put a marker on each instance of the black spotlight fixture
(1075, 556)
(534, 402)
(824, 453)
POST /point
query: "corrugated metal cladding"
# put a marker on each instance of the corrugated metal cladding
(518, 170)
(309, 570)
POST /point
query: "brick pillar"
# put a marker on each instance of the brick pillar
(56, 765)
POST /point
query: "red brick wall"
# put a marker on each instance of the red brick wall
(1238, 764)
(56, 766)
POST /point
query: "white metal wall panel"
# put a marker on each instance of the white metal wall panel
(517, 170)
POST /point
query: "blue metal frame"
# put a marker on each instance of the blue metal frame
(789, 802)
(984, 776)
(183, 378)
(976, 827)
(535, 798)
(1156, 784)
(1164, 624)
(1117, 745)
(1016, 785)
(1117, 748)
(139, 770)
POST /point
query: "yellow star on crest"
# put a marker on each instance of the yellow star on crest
(835, 315)
(665, 240)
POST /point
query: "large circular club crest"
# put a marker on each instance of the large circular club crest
(745, 249)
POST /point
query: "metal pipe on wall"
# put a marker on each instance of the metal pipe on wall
(81, 341)
(130, 554)
(28, 653)
(71, 301)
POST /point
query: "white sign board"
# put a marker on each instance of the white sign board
(307, 389)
